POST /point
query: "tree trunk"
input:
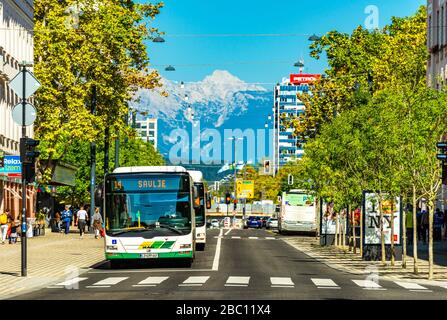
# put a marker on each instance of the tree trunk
(404, 236)
(350, 238)
(415, 235)
(337, 225)
(382, 235)
(392, 233)
(361, 231)
(344, 231)
(354, 240)
(430, 239)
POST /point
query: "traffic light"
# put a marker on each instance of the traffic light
(267, 166)
(228, 198)
(235, 204)
(28, 155)
(442, 146)
(290, 180)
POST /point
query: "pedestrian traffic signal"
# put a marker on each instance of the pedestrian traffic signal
(28, 155)
(267, 166)
(290, 180)
(228, 198)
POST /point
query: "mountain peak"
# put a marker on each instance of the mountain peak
(222, 77)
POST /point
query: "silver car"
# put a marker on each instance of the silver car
(271, 223)
(214, 223)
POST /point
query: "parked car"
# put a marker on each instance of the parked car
(264, 221)
(214, 223)
(272, 223)
(254, 222)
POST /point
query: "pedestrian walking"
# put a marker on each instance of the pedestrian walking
(66, 217)
(57, 219)
(419, 224)
(438, 224)
(13, 235)
(4, 224)
(82, 218)
(409, 227)
(425, 225)
(97, 223)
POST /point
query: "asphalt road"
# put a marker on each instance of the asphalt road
(238, 265)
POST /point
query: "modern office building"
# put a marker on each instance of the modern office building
(16, 46)
(148, 130)
(437, 43)
(286, 146)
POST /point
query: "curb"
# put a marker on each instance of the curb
(338, 267)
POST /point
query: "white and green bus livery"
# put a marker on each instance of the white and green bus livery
(200, 213)
(298, 212)
(149, 214)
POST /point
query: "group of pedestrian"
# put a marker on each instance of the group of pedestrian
(423, 223)
(63, 221)
(8, 227)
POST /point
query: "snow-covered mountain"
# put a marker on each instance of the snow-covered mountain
(220, 101)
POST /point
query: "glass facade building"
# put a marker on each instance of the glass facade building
(286, 145)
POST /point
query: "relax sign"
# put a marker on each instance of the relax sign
(11, 166)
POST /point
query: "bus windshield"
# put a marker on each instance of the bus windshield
(200, 212)
(147, 202)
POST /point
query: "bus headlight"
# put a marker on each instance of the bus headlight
(185, 246)
(111, 248)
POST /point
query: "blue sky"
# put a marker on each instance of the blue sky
(270, 58)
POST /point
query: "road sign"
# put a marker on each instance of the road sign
(31, 84)
(245, 189)
(30, 114)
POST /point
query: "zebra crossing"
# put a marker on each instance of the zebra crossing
(244, 281)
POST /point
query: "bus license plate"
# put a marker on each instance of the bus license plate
(148, 255)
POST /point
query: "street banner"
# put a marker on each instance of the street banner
(372, 218)
(12, 166)
(245, 189)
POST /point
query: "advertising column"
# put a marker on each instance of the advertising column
(371, 225)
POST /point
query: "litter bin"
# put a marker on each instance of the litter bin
(29, 227)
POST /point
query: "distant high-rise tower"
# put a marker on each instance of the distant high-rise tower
(286, 146)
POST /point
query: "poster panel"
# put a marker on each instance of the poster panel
(372, 219)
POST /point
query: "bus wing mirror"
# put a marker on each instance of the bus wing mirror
(196, 202)
(208, 201)
(99, 194)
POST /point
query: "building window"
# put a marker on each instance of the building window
(151, 125)
(442, 26)
(438, 33)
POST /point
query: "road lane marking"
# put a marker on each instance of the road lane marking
(270, 238)
(411, 286)
(325, 283)
(217, 254)
(71, 282)
(110, 281)
(226, 233)
(235, 237)
(237, 281)
(281, 282)
(368, 284)
(253, 238)
(194, 281)
(150, 282)
(98, 287)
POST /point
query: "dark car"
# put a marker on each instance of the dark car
(264, 221)
(254, 222)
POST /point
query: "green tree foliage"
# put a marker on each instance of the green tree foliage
(81, 44)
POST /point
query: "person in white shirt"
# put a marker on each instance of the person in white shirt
(82, 218)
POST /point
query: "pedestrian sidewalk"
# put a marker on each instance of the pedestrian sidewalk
(51, 258)
(346, 261)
